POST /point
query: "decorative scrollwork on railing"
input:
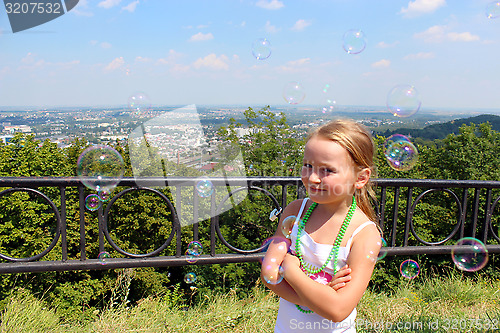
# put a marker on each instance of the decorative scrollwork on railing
(175, 223)
(58, 224)
(219, 208)
(457, 225)
(489, 214)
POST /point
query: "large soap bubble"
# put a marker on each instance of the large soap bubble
(261, 49)
(100, 167)
(403, 100)
(354, 41)
(400, 153)
(469, 254)
(493, 10)
(294, 93)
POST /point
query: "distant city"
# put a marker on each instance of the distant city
(101, 125)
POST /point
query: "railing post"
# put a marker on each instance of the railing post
(477, 193)
(64, 241)
(395, 211)
(81, 207)
(465, 194)
(409, 216)
(487, 215)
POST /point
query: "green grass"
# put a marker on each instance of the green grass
(455, 303)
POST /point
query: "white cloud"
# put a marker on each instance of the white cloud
(81, 9)
(419, 7)
(420, 55)
(29, 58)
(171, 58)
(201, 37)
(299, 62)
(295, 66)
(384, 45)
(434, 34)
(301, 25)
(383, 63)
(131, 6)
(269, 28)
(105, 45)
(438, 34)
(117, 63)
(213, 62)
(272, 5)
(31, 63)
(179, 68)
(142, 59)
(109, 3)
(462, 37)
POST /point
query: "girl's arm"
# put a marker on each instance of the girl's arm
(329, 303)
(275, 255)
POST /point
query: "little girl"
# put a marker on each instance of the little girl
(334, 227)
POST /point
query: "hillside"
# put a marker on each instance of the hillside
(440, 131)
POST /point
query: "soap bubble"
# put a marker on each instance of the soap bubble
(272, 274)
(104, 195)
(190, 278)
(287, 225)
(261, 49)
(354, 41)
(375, 256)
(190, 257)
(409, 269)
(400, 153)
(329, 99)
(283, 244)
(395, 138)
(204, 188)
(103, 257)
(469, 254)
(493, 10)
(100, 168)
(294, 93)
(92, 202)
(383, 252)
(195, 248)
(403, 101)
(139, 103)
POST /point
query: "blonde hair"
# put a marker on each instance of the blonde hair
(357, 140)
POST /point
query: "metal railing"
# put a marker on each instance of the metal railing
(474, 203)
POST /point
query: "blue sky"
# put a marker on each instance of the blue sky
(183, 52)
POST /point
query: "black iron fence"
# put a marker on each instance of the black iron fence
(466, 208)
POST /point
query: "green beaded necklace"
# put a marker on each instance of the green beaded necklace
(310, 269)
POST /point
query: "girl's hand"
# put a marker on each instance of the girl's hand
(340, 279)
(290, 262)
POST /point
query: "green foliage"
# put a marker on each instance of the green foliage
(139, 222)
(469, 304)
(271, 148)
(25, 313)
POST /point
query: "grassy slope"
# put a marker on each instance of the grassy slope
(449, 303)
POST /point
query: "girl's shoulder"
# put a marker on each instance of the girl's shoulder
(361, 225)
(294, 207)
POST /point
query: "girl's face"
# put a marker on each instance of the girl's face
(328, 171)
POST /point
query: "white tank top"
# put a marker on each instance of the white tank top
(292, 320)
